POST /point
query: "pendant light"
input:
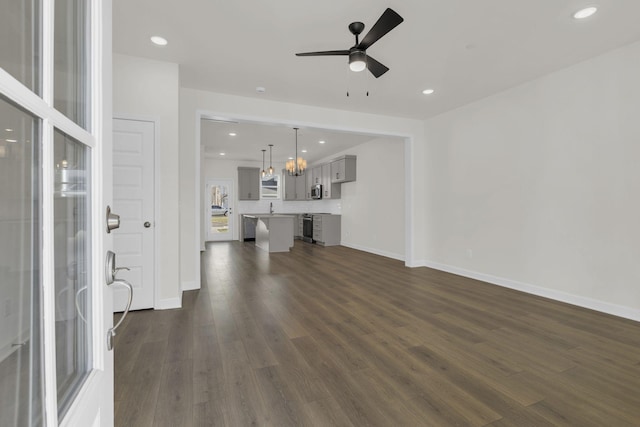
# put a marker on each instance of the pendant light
(297, 165)
(264, 172)
(270, 163)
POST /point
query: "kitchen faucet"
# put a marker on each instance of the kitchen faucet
(271, 208)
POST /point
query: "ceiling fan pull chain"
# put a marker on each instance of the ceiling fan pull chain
(348, 80)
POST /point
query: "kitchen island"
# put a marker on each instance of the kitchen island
(274, 233)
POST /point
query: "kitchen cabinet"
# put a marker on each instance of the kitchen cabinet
(316, 175)
(343, 169)
(309, 182)
(294, 186)
(299, 229)
(326, 229)
(329, 190)
(248, 183)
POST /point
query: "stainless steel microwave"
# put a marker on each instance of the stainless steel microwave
(316, 191)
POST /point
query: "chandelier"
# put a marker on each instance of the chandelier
(297, 165)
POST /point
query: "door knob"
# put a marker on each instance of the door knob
(147, 224)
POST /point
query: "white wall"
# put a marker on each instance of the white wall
(195, 102)
(144, 88)
(373, 208)
(538, 187)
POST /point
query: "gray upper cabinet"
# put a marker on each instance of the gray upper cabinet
(329, 190)
(294, 186)
(301, 187)
(309, 182)
(316, 175)
(343, 169)
(248, 183)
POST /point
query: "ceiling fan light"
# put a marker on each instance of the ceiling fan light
(357, 61)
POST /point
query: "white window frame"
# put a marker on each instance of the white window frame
(278, 187)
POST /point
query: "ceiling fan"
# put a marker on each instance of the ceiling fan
(358, 58)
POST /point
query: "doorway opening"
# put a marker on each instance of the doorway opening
(219, 197)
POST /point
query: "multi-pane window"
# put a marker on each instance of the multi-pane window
(270, 187)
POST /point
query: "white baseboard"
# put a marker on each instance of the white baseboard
(169, 303)
(399, 257)
(580, 301)
(191, 285)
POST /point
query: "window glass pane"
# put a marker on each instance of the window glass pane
(270, 187)
(71, 56)
(72, 275)
(21, 390)
(20, 41)
(219, 209)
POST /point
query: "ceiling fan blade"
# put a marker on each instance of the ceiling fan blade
(376, 68)
(387, 22)
(324, 53)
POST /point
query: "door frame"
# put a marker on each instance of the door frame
(157, 217)
(207, 208)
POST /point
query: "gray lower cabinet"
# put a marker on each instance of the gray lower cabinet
(248, 183)
(326, 229)
(299, 227)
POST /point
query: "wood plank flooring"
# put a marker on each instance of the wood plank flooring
(337, 337)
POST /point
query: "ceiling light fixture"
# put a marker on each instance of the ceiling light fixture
(260, 89)
(297, 165)
(321, 142)
(270, 162)
(357, 61)
(428, 91)
(232, 134)
(585, 12)
(11, 140)
(9, 130)
(160, 41)
(304, 151)
(223, 154)
(264, 172)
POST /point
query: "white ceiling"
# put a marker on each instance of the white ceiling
(250, 138)
(464, 49)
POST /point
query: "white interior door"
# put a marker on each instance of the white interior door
(133, 200)
(55, 182)
(218, 212)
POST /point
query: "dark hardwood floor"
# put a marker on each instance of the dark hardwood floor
(338, 337)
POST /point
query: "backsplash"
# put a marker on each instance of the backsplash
(332, 206)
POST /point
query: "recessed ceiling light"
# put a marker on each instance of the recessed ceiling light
(223, 154)
(290, 158)
(304, 151)
(585, 13)
(160, 41)
(232, 134)
(321, 142)
(428, 91)
(11, 140)
(260, 89)
(9, 130)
